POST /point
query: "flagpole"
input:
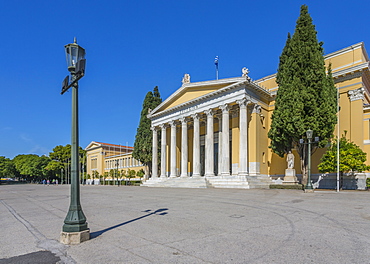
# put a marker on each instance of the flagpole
(338, 141)
(216, 63)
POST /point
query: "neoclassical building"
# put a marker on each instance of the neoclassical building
(102, 158)
(214, 133)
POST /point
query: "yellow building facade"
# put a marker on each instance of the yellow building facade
(214, 133)
(103, 160)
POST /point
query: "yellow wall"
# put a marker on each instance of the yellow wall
(347, 59)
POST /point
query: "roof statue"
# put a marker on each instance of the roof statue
(186, 78)
(245, 72)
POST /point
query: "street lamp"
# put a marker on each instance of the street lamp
(117, 163)
(309, 187)
(75, 228)
(309, 133)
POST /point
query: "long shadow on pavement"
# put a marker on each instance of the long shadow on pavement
(157, 212)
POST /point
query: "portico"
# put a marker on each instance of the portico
(206, 135)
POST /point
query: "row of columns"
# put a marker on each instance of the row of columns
(224, 144)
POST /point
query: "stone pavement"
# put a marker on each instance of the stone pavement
(168, 225)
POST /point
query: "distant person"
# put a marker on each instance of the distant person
(43, 181)
(56, 181)
(48, 182)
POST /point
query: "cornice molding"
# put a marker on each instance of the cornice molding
(352, 72)
(359, 67)
(344, 50)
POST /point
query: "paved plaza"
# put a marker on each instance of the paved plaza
(169, 225)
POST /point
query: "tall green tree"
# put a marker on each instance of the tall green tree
(143, 140)
(306, 98)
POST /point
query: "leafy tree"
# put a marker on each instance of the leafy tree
(54, 166)
(105, 175)
(7, 168)
(140, 173)
(306, 98)
(131, 173)
(95, 174)
(143, 140)
(351, 158)
(118, 175)
(61, 157)
(32, 167)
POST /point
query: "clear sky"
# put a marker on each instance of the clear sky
(132, 46)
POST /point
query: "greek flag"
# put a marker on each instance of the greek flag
(216, 61)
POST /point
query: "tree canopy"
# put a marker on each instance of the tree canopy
(34, 167)
(7, 168)
(351, 157)
(31, 166)
(306, 98)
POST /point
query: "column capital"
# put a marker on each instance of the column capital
(243, 102)
(183, 120)
(224, 108)
(173, 123)
(153, 128)
(357, 94)
(195, 116)
(256, 109)
(209, 112)
(163, 126)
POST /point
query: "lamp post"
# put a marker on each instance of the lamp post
(309, 187)
(75, 228)
(117, 163)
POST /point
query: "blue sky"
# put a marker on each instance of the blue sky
(132, 46)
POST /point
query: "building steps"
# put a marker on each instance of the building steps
(186, 182)
(239, 182)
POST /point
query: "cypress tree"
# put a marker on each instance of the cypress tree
(143, 139)
(306, 98)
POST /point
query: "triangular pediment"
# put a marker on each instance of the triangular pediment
(92, 145)
(192, 91)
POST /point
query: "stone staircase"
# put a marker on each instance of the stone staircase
(239, 182)
(259, 182)
(186, 182)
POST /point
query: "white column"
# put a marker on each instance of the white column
(209, 166)
(163, 150)
(155, 153)
(184, 147)
(243, 134)
(225, 162)
(173, 150)
(196, 146)
(219, 143)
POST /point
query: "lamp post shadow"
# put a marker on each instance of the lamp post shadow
(157, 212)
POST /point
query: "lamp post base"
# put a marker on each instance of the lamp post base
(74, 238)
(308, 190)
